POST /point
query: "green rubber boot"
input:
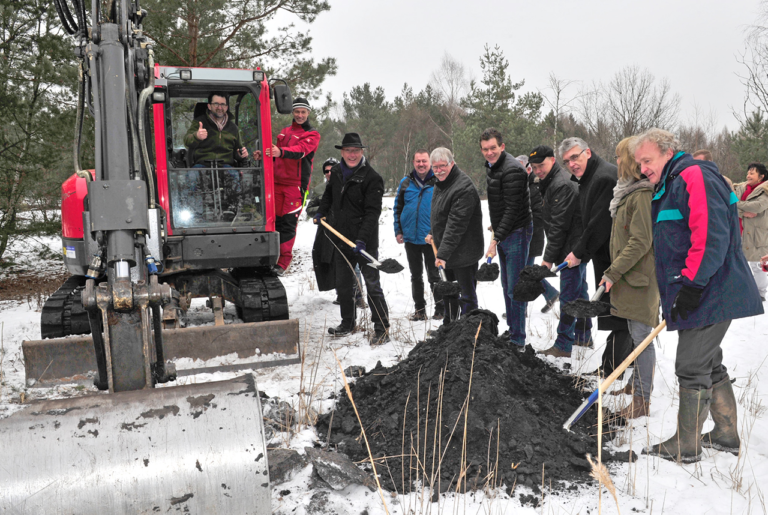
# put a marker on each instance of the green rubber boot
(725, 436)
(685, 445)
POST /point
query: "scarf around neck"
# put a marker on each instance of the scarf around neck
(623, 188)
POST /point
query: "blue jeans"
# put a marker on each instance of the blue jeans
(550, 292)
(513, 255)
(573, 285)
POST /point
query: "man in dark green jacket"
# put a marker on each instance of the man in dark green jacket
(214, 136)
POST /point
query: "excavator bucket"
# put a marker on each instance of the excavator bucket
(191, 449)
(251, 346)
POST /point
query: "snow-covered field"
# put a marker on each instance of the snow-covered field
(719, 484)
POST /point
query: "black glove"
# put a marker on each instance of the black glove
(316, 219)
(687, 300)
(359, 246)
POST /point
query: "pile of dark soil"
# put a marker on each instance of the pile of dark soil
(517, 402)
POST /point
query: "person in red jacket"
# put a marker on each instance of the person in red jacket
(293, 155)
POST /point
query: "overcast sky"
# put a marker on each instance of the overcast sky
(694, 44)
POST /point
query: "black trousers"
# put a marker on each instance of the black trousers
(417, 254)
(345, 288)
(456, 306)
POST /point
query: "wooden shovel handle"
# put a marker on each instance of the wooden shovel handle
(337, 233)
(434, 249)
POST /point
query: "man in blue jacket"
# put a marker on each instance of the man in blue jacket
(704, 282)
(413, 206)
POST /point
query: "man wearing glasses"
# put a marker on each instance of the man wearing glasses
(352, 202)
(596, 178)
(214, 137)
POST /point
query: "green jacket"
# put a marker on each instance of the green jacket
(635, 292)
(222, 145)
(754, 237)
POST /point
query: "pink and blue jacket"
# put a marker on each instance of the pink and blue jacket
(697, 242)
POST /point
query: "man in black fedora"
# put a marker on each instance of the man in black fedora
(353, 199)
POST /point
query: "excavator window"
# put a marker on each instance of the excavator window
(213, 194)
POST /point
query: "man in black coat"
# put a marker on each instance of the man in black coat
(562, 223)
(457, 231)
(536, 249)
(510, 209)
(596, 178)
(353, 199)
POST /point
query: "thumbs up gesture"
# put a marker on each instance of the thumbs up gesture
(201, 133)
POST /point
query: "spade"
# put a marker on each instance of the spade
(444, 287)
(529, 287)
(388, 266)
(488, 271)
(583, 308)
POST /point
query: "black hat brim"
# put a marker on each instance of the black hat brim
(353, 145)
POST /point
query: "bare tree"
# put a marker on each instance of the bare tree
(558, 101)
(451, 82)
(630, 103)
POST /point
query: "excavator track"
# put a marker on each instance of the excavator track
(63, 313)
(263, 299)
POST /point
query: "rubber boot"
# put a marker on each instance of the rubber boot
(725, 436)
(685, 444)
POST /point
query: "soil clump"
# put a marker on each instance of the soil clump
(414, 415)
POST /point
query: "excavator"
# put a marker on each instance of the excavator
(144, 233)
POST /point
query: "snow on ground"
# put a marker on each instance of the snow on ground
(721, 483)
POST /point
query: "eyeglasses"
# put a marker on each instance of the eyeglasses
(573, 158)
(440, 167)
(218, 104)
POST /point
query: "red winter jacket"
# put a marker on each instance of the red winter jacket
(298, 144)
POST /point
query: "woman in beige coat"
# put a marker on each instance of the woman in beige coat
(631, 278)
(753, 211)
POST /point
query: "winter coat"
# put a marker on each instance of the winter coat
(223, 145)
(298, 144)
(508, 198)
(413, 208)
(354, 205)
(697, 242)
(754, 238)
(457, 220)
(560, 214)
(537, 240)
(314, 203)
(322, 260)
(595, 195)
(635, 292)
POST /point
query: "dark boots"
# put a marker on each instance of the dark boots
(685, 445)
(725, 435)
(345, 327)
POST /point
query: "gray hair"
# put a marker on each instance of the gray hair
(665, 140)
(569, 143)
(441, 154)
(523, 159)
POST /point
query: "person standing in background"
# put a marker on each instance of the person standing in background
(536, 248)
(413, 208)
(753, 211)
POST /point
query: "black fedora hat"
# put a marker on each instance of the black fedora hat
(351, 139)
